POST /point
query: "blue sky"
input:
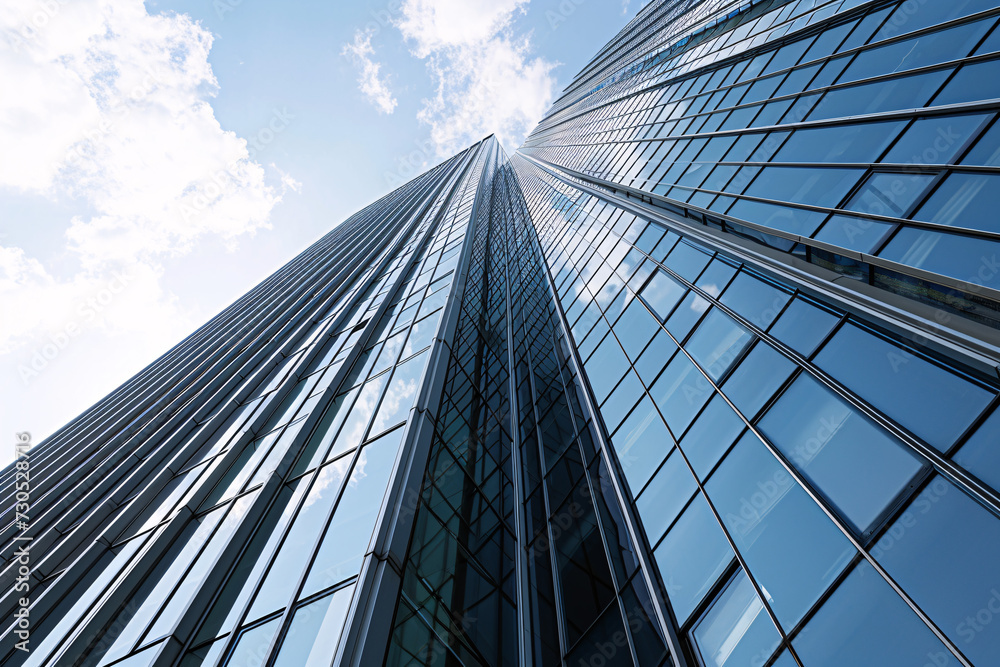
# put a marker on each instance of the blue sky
(161, 159)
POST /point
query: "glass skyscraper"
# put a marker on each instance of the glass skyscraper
(705, 374)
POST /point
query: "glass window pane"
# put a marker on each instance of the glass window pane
(980, 81)
(400, 395)
(642, 443)
(251, 648)
(606, 367)
(845, 143)
(803, 326)
(905, 92)
(315, 631)
(736, 631)
(934, 140)
(276, 590)
(680, 393)
(692, 557)
(757, 378)
(856, 465)
(718, 343)
(800, 185)
(954, 580)
(711, 436)
(986, 151)
(965, 200)
(865, 623)
(928, 49)
(663, 293)
(910, 18)
(889, 194)
(793, 550)
(665, 496)
(935, 404)
(962, 257)
(607, 639)
(784, 218)
(635, 328)
(715, 278)
(858, 234)
(655, 357)
(687, 260)
(586, 583)
(350, 531)
(785, 660)
(981, 454)
(687, 315)
(757, 300)
(621, 400)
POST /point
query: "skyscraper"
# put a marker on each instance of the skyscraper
(705, 374)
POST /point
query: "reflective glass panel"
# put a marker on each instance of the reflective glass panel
(757, 378)
(981, 454)
(665, 496)
(755, 299)
(680, 393)
(736, 631)
(855, 464)
(717, 343)
(350, 532)
(793, 550)
(314, 634)
(711, 436)
(803, 326)
(663, 293)
(251, 648)
(641, 443)
(692, 557)
(935, 404)
(934, 140)
(965, 200)
(942, 551)
(866, 623)
(962, 257)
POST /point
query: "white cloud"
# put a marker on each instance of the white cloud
(370, 82)
(112, 113)
(486, 80)
(435, 25)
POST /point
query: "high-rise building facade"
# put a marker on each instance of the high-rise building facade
(707, 373)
